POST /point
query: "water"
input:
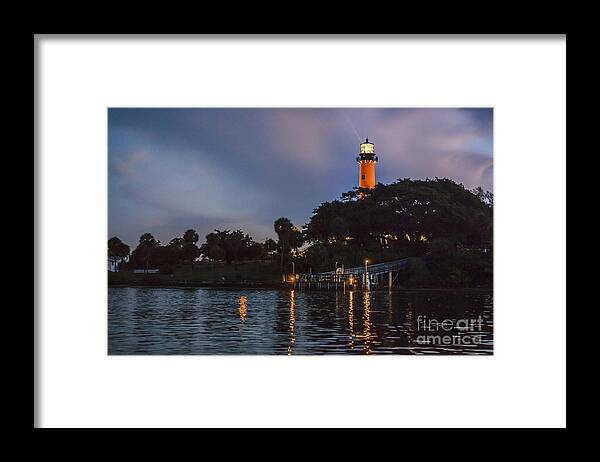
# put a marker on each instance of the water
(183, 321)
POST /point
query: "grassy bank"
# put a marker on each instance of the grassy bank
(252, 273)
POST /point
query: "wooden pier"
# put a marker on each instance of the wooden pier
(374, 276)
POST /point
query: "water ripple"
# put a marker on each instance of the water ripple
(173, 321)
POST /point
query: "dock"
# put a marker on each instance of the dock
(370, 276)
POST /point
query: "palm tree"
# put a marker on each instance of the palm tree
(283, 227)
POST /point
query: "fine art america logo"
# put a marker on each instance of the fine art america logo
(449, 331)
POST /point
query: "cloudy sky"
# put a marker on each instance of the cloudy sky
(174, 169)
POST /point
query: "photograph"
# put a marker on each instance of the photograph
(300, 231)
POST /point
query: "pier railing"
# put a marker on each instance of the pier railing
(377, 275)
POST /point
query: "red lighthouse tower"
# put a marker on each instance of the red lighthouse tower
(366, 165)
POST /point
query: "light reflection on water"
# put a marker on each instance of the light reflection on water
(243, 309)
(292, 321)
(254, 321)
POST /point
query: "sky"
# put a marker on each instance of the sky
(175, 169)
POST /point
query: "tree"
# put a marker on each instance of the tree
(486, 197)
(185, 247)
(208, 249)
(339, 228)
(232, 242)
(216, 253)
(190, 252)
(176, 243)
(270, 246)
(174, 250)
(117, 251)
(230, 246)
(191, 236)
(316, 256)
(296, 238)
(251, 250)
(283, 227)
(145, 249)
(148, 239)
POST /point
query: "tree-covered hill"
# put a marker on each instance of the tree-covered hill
(445, 228)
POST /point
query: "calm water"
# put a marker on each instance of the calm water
(187, 321)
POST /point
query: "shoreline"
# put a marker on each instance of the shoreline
(272, 286)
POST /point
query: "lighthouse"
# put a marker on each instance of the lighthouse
(366, 165)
